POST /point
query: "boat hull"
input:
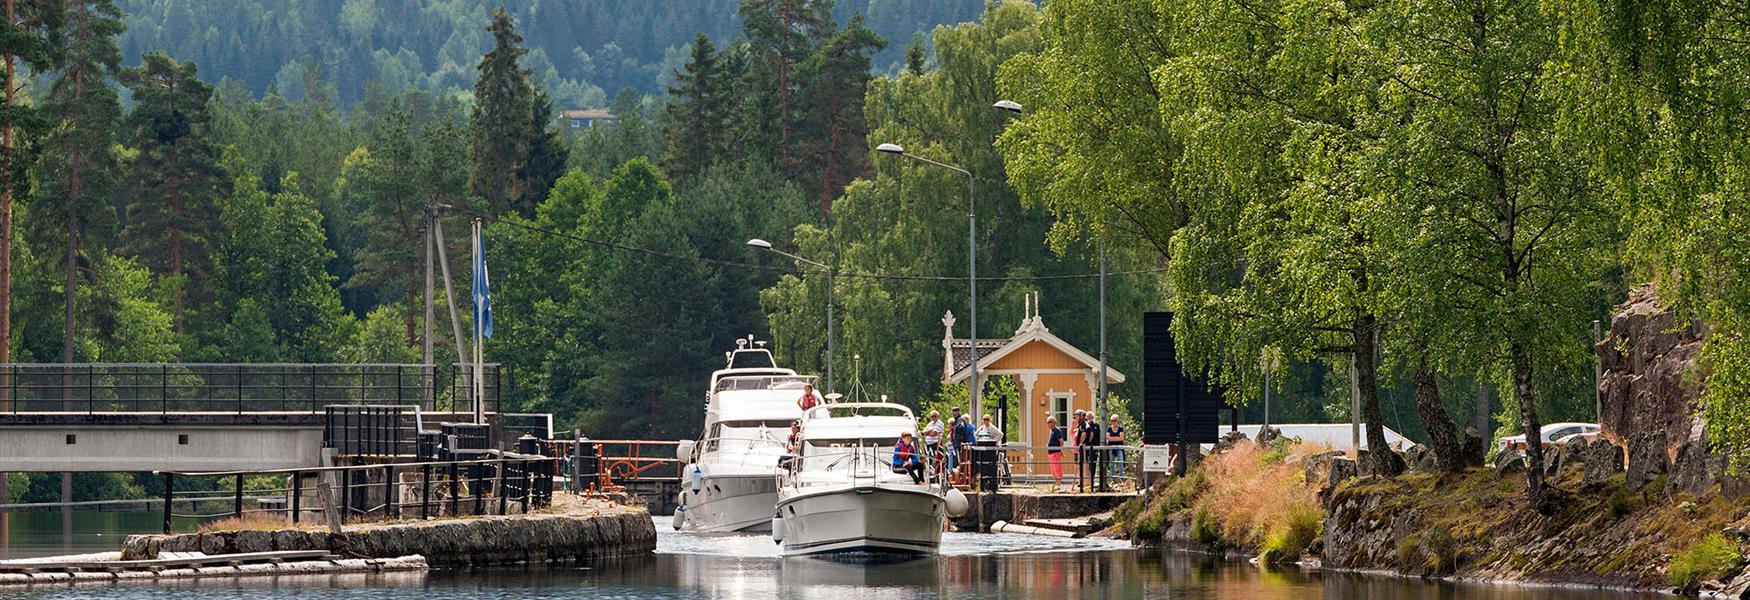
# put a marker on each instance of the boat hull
(728, 503)
(867, 519)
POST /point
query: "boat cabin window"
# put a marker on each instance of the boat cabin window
(752, 359)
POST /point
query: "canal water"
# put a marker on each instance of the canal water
(748, 566)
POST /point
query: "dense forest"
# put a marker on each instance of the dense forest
(1382, 197)
(581, 52)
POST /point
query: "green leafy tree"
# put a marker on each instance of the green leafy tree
(275, 249)
(1502, 196)
(1658, 89)
(172, 220)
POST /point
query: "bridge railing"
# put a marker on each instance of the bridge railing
(236, 388)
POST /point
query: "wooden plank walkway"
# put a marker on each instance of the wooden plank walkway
(168, 561)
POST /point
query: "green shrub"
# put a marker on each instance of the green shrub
(1622, 502)
(1204, 528)
(1409, 554)
(1442, 549)
(1148, 525)
(1183, 492)
(1711, 557)
(1287, 540)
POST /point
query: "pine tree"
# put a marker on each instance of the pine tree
(547, 155)
(29, 34)
(500, 122)
(698, 104)
(173, 218)
(78, 161)
(837, 77)
(781, 34)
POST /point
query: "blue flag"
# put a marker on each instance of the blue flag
(482, 288)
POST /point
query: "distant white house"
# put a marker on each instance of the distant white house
(585, 119)
(1336, 435)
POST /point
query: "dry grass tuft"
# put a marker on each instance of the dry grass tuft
(1259, 499)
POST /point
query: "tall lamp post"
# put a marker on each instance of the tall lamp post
(767, 246)
(975, 391)
(1100, 407)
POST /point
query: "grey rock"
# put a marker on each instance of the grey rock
(1509, 463)
(1414, 455)
(1646, 458)
(1697, 468)
(1228, 440)
(1603, 459)
(1342, 468)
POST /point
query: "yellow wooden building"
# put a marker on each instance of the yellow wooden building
(1054, 378)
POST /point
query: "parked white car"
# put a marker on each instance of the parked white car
(1554, 434)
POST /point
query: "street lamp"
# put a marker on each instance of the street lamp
(974, 393)
(1016, 108)
(767, 246)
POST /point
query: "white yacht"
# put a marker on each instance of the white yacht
(841, 494)
(728, 477)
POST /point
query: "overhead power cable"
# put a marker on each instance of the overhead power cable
(782, 269)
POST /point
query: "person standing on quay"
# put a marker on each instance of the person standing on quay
(1054, 452)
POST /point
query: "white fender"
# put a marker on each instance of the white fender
(778, 529)
(957, 504)
(680, 517)
(698, 478)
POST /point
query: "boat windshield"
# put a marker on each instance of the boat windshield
(744, 435)
(883, 446)
(764, 382)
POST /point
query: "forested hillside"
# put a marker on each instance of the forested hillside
(581, 51)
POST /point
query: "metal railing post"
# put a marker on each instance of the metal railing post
(297, 495)
(425, 491)
(455, 490)
(237, 507)
(239, 389)
(389, 509)
(169, 497)
(90, 389)
(345, 494)
(164, 387)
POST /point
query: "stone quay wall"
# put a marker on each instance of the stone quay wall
(461, 542)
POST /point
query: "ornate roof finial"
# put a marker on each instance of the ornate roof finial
(948, 325)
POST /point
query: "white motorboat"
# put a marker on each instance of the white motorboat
(728, 477)
(841, 494)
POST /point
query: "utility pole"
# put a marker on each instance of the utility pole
(437, 229)
(1597, 374)
(429, 384)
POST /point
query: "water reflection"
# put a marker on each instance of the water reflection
(747, 566)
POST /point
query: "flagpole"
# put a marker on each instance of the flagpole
(479, 332)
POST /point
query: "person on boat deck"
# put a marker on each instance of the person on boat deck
(1054, 451)
(795, 433)
(807, 400)
(933, 439)
(905, 457)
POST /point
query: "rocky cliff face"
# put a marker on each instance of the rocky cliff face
(1648, 385)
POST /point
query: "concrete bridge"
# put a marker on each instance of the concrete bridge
(192, 417)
